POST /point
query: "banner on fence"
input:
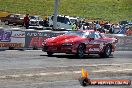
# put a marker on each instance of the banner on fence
(35, 39)
(14, 39)
(124, 43)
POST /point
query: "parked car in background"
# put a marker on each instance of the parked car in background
(80, 43)
(63, 22)
(36, 21)
(15, 19)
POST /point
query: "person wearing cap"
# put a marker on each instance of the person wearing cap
(46, 21)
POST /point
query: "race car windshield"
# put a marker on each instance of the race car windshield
(78, 33)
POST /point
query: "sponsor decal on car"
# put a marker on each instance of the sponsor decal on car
(94, 49)
(101, 46)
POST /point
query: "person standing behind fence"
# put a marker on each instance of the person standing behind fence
(26, 21)
(46, 21)
(112, 29)
(98, 25)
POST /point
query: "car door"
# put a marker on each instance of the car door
(16, 19)
(19, 19)
(10, 19)
(94, 42)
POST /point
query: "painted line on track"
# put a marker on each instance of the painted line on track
(71, 72)
(113, 70)
(96, 65)
(39, 74)
(61, 73)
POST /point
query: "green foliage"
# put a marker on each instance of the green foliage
(113, 10)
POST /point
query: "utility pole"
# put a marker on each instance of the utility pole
(55, 14)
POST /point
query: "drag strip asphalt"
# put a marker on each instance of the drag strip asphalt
(34, 69)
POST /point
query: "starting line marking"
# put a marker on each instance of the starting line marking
(95, 65)
(39, 74)
(113, 70)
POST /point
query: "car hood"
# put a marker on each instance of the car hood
(64, 39)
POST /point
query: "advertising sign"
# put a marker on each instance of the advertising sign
(124, 43)
(10, 38)
(5, 36)
(36, 39)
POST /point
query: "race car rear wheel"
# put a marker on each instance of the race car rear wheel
(49, 53)
(80, 50)
(107, 52)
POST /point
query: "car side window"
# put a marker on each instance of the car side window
(39, 18)
(12, 16)
(52, 17)
(17, 16)
(95, 35)
(98, 35)
(60, 19)
(67, 21)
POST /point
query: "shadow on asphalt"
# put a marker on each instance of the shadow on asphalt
(68, 56)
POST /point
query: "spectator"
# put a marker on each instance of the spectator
(26, 21)
(98, 25)
(46, 22)
(95, 29)
(112, 29)
(79, 24)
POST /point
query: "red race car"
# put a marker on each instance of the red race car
(80, 43)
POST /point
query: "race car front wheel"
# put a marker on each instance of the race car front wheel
(49, 53)
(107, 52)
(80, 51)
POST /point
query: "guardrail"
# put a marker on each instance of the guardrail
(31, 39)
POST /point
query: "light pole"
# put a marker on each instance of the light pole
(55, 14)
